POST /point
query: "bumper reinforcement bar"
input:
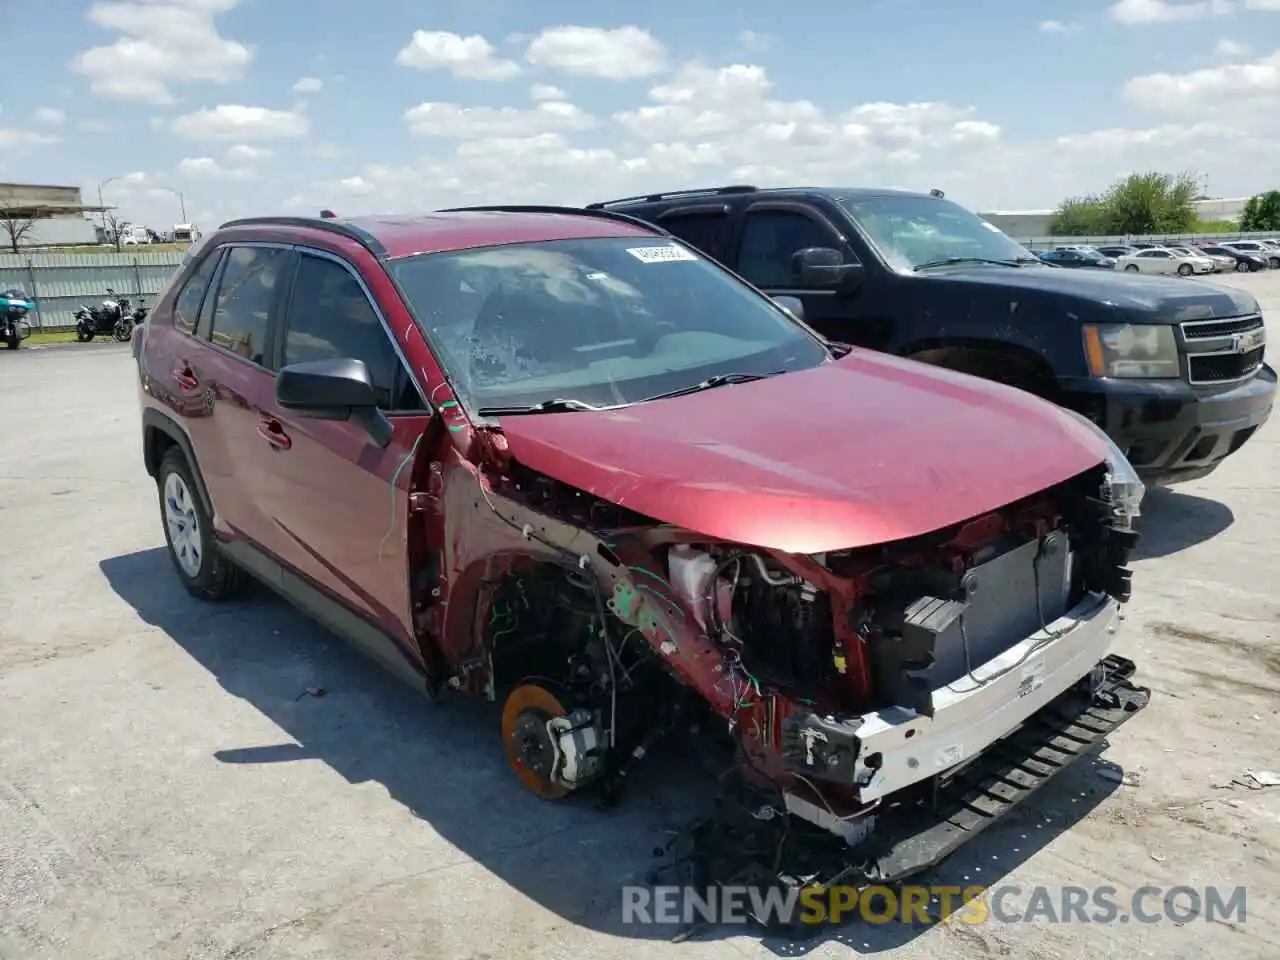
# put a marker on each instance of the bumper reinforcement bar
(921, 826)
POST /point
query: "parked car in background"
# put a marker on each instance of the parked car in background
(1254, 247)
(549, 403)
(1077, 258)
(1219, 264)
(886, 269)
(1115, 252)
(1244, 262)
(1161, 261)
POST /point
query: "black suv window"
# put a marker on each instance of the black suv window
(330, 316)
(187, 306)
(246, 294)
(706, 230)
(769, 238)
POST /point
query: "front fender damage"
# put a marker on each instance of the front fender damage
(635, 628)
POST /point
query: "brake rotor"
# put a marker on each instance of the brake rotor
(525, 739)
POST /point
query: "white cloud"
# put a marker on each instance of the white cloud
(162, 43)
(471, 58)
(243, 151)
(1270, 6)
(623, 53)
(14, 139)
(1240, 84)
(1167, 11)
(308, 85)
(1229, 48)
(1059, 26)
(751, 40)
(544, 91)
(206, 168)
(449, 121)
(236, 122)
(50, 115)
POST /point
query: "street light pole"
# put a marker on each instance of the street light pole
(102, 211)
(182, 201)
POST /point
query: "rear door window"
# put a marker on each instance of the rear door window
(707, 230)
(186, 307)
(246, 293)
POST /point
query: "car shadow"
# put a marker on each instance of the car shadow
(443, 762)
(1172, 521)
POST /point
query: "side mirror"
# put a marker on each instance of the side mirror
(824, 267)
(792, 305)
(334, 390)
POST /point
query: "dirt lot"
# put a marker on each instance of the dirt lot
(168, 789)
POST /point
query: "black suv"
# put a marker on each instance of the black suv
(1172, 370)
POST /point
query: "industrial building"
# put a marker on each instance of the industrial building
(57, 215)
(1033, 224)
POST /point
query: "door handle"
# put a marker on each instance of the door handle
(273, 433)
(186, 379)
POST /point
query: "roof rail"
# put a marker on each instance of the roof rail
(674, 194)
(571, 211)
(342, 228)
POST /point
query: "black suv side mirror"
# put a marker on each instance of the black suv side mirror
(824, 267)
(338, 389)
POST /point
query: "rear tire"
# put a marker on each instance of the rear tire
(1131, 268)
(188, 531)
(13, 342)
(1242, 267)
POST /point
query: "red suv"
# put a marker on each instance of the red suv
(557, 457)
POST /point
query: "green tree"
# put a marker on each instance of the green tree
(1261, 212)
(1151, 203)
(1079, 217)
(1141, 203)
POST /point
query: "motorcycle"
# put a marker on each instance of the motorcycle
(14, 326)
(106, 319)
(129, 321)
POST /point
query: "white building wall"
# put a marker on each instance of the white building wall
(73, 230)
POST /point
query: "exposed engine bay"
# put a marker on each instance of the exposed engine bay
(853, 688)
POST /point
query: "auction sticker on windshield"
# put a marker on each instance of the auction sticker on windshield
(663, 254)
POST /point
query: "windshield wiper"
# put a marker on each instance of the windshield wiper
(555, 405)
(948, 261)
(719, 380)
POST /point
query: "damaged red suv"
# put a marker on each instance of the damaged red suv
(557, 458)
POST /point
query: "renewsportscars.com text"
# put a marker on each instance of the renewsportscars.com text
(932, 904)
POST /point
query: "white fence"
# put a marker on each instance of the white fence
(60, 283)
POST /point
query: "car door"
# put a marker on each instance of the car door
(338, 501)
(772, 233)
(223, 370)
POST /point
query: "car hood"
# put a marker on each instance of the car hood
(1133, 297)
(863, 450)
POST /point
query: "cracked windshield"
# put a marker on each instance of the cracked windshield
(599, 321)
(914, 232)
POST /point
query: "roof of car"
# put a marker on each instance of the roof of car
(394, 236)
(685, 196)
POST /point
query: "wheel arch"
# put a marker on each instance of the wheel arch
(161, 433)
(1001, 361)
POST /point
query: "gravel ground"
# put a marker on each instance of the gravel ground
(167, 788)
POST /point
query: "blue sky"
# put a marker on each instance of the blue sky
(269, 106)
